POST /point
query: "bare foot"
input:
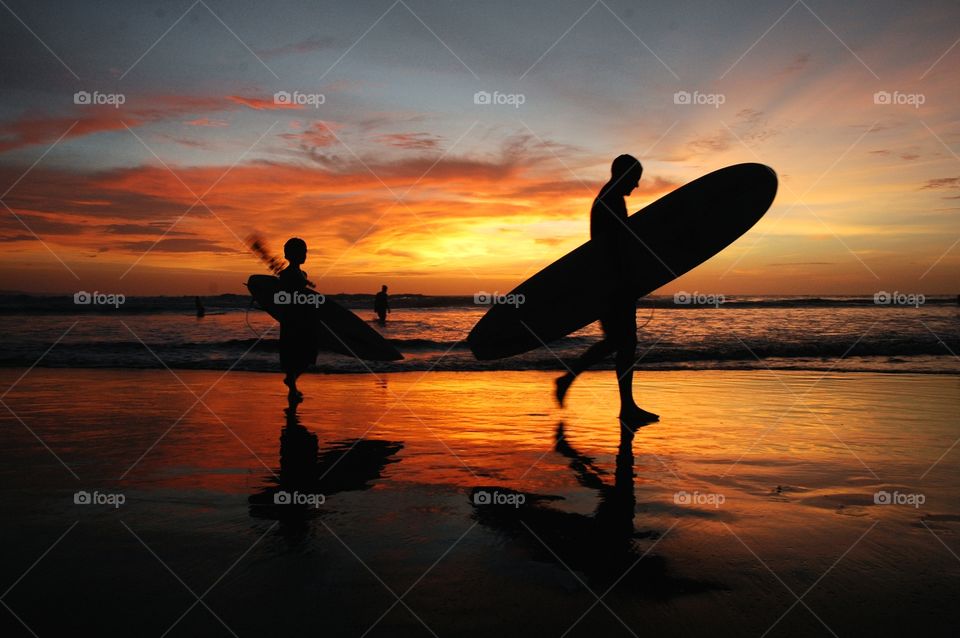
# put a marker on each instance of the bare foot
(636, 416)
(563, 384)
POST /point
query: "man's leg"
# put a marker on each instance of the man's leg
(593, 355)
(623, 332)
(626, 351)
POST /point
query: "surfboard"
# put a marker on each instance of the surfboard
(338, 329)
(671, 236)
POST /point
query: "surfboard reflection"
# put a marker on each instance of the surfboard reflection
(605, 546)
(308, 476)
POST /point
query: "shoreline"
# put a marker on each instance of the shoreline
(745, 474)
(493, 370)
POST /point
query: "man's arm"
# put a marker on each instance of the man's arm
(618, 238)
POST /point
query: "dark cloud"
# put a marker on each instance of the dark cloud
(307, 45)
(179, 245)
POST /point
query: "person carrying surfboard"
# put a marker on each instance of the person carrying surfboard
(608, 228)
(298, 338)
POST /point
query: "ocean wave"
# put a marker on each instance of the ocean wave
(21, 304)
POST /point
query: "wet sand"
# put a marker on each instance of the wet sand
(480, 505)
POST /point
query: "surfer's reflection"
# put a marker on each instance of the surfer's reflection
(308, 477)
(605, 546)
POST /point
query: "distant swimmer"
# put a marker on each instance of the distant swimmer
(201, 311)
(298, 337)
(608, 228)
(381, 304)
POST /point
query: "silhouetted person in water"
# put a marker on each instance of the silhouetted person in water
(608, 229)
(381, 304)
(200, 310)
(298, 336)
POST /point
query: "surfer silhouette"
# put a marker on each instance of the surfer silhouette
(608, 228)
(298, 339)
(381, 304)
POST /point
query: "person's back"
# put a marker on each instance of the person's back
(292, 278)
(607, 217)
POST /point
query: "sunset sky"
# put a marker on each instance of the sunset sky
(399, 177)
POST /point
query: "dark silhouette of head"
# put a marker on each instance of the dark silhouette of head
(625, 174)
(295, 250)
(383, 288)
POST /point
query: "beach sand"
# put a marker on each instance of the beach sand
(755, 489)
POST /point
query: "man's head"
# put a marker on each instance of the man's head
(383, 288)
(625, 174)
(295, 250)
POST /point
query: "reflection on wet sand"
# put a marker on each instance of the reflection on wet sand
(307, 476)
(602, 545)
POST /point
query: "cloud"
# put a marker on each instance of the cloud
(178, 245)
(86, 120)
(205, 121)
(411, 141)
(803, 263)
(798, 63)
(264, 104)
(307, 45)
(317, 135)
(28, 131)
(941, 182)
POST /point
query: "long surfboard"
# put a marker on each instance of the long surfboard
(671, 236)
(338, 329)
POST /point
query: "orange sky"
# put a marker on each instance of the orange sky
(400, 178)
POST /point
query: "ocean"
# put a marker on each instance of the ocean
(743, 332)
